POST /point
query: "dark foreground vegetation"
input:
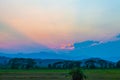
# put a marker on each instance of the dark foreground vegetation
(58, 74)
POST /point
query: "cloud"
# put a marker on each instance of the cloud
(10, 36)
(67, 46)
(12, 41)
(118, 36)
(85, 44)
(103, 50)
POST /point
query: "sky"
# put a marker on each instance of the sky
(57, 23)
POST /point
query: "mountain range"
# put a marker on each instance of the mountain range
(109, 50)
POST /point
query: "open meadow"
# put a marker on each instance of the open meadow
(94, 74)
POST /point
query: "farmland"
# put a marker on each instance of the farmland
(92, 74)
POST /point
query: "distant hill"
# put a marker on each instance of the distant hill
(40, 55)
(4, 60)
(109, 50)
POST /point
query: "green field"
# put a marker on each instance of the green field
(94, 74)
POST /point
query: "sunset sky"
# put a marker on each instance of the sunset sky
(57, 23)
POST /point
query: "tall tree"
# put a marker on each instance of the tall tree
(21, 63)
(118, 64)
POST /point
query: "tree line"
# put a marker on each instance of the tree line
(28, 63)
(88, 64)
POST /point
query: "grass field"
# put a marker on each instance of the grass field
(94, 74)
